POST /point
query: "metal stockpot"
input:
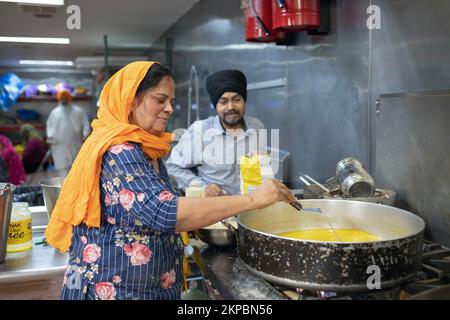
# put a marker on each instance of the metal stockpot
(222, 237)
(331, 266)
(6, 200)
(355, 181)
(217, 237)
(51, 189)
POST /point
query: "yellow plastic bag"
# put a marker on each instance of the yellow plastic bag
(254, 170)
(250, 173)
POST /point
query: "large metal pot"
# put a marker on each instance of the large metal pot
(217, 237)
(328, 266)
(6, 201)
(51, 189)
(221, 234)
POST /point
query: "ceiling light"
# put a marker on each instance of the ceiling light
(35, 40)
(134, 45)
(38, 2)
(47, 62)
(99, 62)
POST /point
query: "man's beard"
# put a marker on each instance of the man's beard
(232, 121)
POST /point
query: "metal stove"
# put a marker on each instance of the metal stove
(435, 272)
(431, 282)
(227, 277)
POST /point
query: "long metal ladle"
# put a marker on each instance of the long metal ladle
(298, 206)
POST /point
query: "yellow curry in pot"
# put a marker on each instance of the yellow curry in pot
(329, 235)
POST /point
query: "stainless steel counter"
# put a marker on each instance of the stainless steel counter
(225, 272)
(41, 262)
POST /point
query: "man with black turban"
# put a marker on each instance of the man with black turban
(208, 153)
(224, 87)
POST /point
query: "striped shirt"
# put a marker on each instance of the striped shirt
(135, 254)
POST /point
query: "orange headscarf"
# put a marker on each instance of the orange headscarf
(79, 200)
(63, 94)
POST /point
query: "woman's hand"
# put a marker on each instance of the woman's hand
(213, 190)
(196, 213)
(269, 192)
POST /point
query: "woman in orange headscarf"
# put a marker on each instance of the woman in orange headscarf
(117, 213)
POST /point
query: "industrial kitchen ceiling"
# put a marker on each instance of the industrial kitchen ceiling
(128, 24)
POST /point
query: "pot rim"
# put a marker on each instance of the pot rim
(372, 243)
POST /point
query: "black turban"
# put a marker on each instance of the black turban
(226, 81)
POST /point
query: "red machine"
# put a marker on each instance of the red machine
(295, 15)
(258, 22)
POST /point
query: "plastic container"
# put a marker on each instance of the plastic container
(20, 232)
(195, 190)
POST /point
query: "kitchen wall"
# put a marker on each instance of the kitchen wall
(322, 112)
(327, 109)
(411, 55)
(411, 52)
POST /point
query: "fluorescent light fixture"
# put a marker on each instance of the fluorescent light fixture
(99, 62)
(35, 40)
(38, 2)
(47, 62)
(134, 45)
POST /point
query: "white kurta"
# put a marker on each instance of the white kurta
(67, 127)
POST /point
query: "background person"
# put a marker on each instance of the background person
(12, 161)
(67, 128)
(35, 148)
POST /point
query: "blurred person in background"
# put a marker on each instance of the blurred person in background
(4, 176)
(35, 148)
(67, 127)
(12, 161)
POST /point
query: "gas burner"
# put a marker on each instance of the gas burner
(301, 294)
(435, 272)
(225, 273)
